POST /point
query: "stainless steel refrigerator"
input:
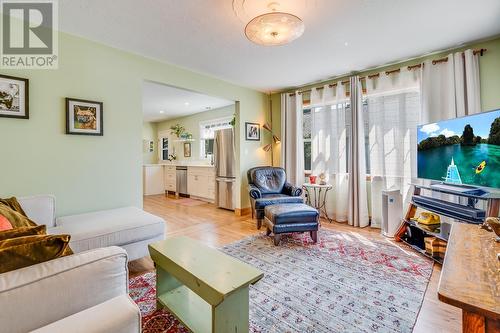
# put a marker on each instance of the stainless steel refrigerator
(225, 169)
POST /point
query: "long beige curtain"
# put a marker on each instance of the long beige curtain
(451, 89)
(358, 201)
(292, 139)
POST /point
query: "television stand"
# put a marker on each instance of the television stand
(462, 189)
(414, 234)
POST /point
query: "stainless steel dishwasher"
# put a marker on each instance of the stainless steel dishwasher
(181, 179)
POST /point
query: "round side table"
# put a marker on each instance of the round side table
(320, 194)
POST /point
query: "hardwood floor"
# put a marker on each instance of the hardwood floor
(217, 227)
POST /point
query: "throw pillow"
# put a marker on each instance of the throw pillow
(14, 204)
(25, 251)
(4, 223)
(22, 231)
(15, 218)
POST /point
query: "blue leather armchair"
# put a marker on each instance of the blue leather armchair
(268, 186)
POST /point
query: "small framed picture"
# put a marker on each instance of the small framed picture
(84, 117)
(252, 131)
(14, 95)
(187, 149)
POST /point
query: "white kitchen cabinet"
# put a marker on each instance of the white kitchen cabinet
(153, 182)
(201, 182)
(170, 178)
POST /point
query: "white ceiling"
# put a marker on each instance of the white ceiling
(340, 35)
(175, 102)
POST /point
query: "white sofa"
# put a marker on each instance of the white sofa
(85, 292)
(130, 227)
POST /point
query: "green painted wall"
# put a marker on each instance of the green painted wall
(89, 173)
(489, 65)
(149, 133)
(276, 125)
(192, 125)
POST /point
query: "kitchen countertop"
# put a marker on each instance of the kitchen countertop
(180, 164)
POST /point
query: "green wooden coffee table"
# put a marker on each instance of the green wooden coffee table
(204, 288)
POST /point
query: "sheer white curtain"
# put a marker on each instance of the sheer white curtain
(338, 150)
(393, 110)
(331, 115)
(292, 138)
(451, 89)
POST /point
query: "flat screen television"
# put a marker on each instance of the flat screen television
(463, 150)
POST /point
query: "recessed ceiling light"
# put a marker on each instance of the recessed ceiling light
(161, 111)
(346, 43)
(186, 103)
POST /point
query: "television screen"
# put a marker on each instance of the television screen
(461, 151)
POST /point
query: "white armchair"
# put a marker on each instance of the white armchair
(85, 292)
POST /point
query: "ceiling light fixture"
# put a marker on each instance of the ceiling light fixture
(161, 111)
(186, 104)
(274, 28)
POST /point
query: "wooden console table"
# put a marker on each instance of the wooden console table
(470, 277)
(204, 288)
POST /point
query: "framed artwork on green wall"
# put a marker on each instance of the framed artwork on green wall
(84, 117)
(252, 131)
(187, 149)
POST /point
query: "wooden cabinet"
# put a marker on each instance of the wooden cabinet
(201, 182)
(170, 178)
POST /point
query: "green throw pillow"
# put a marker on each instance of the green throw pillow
(14, 204)
(15, 218)
(25, 251)
(23, 231)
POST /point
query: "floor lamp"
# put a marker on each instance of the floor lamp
(276, 140)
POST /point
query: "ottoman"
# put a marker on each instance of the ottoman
(286, 218)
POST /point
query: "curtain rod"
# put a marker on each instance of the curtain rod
(434, 62)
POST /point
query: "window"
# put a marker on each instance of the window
(306, 130)
(164, 149)
(315, 120)
(207, 134)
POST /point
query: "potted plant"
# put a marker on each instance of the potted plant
(177, 130)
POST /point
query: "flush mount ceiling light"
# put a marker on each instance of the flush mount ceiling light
(274, 28)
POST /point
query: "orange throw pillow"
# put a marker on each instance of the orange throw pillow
(4, 223)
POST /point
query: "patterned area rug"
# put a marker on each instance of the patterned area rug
(345, 283)
(142, 290)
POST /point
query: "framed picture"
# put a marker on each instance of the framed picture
(252, 132)
(14, 94)
(187, 149)
(83, 117)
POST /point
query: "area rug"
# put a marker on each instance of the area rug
(345, 283)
